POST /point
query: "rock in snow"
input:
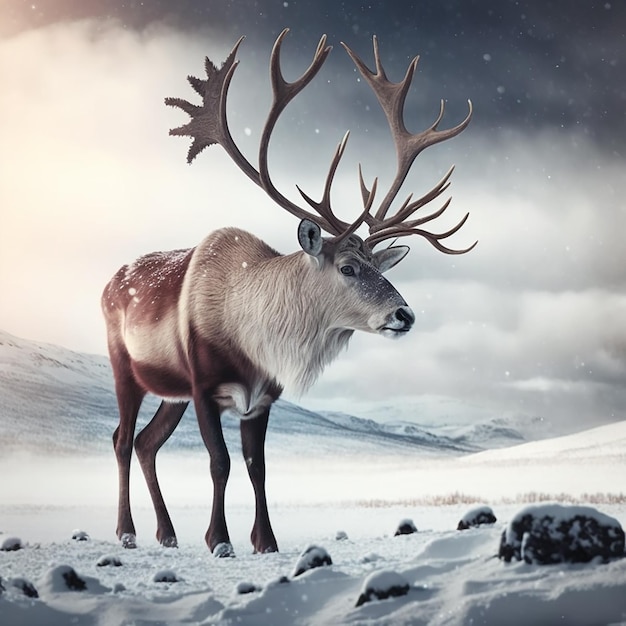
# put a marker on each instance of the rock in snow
(63, 578)
(382, 585)
(11, 544)
(107, 560)
(165, 576)
(25, 586)
(554, 533)
(80, 535)
(312, 557)
(405, 527)
(477, 517)
(244, 588)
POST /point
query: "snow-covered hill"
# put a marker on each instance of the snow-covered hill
(62, 401)
(464, 423)
(603, 443)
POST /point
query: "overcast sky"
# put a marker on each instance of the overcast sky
(532, 321)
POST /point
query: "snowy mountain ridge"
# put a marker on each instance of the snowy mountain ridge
(59, 400)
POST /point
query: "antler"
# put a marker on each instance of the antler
(209, 126)
(391, 97)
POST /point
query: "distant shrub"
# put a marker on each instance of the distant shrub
(455, 498)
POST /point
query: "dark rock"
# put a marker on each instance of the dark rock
(11, 544)
(25, 586)
(382, 585)
(73, 581)
(312, 557)
(244, 588)
(80, 535)
(405, 527)
(477, 517)
(108, 561)
(548, 534)
(165, 576)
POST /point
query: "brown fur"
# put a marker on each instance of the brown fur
(227, 324)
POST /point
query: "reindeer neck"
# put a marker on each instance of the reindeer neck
(284, 323)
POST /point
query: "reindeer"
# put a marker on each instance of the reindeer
(230, 322)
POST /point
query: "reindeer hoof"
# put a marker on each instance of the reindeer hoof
(128, 540)
(267, 550)
(169, 542)
(223, 550)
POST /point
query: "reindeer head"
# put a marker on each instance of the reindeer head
(362, 298)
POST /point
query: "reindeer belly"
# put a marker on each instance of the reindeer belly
(156, 359)
(162, 382)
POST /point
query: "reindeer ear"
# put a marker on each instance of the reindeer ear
(387, 258)
(310, 237)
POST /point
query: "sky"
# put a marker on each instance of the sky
(530, 322)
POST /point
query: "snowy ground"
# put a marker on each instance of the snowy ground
(454, 577)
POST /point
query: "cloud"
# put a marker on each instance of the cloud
(531, 320)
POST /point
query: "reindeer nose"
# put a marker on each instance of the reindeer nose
(405, 315)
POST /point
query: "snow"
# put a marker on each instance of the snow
(336, 483)
(454, 577)
(560, 513)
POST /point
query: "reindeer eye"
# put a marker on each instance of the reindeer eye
(347, 270)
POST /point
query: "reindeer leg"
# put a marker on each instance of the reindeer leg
(209, 420)
(147, 444)
(253, 447)
(129, 397)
